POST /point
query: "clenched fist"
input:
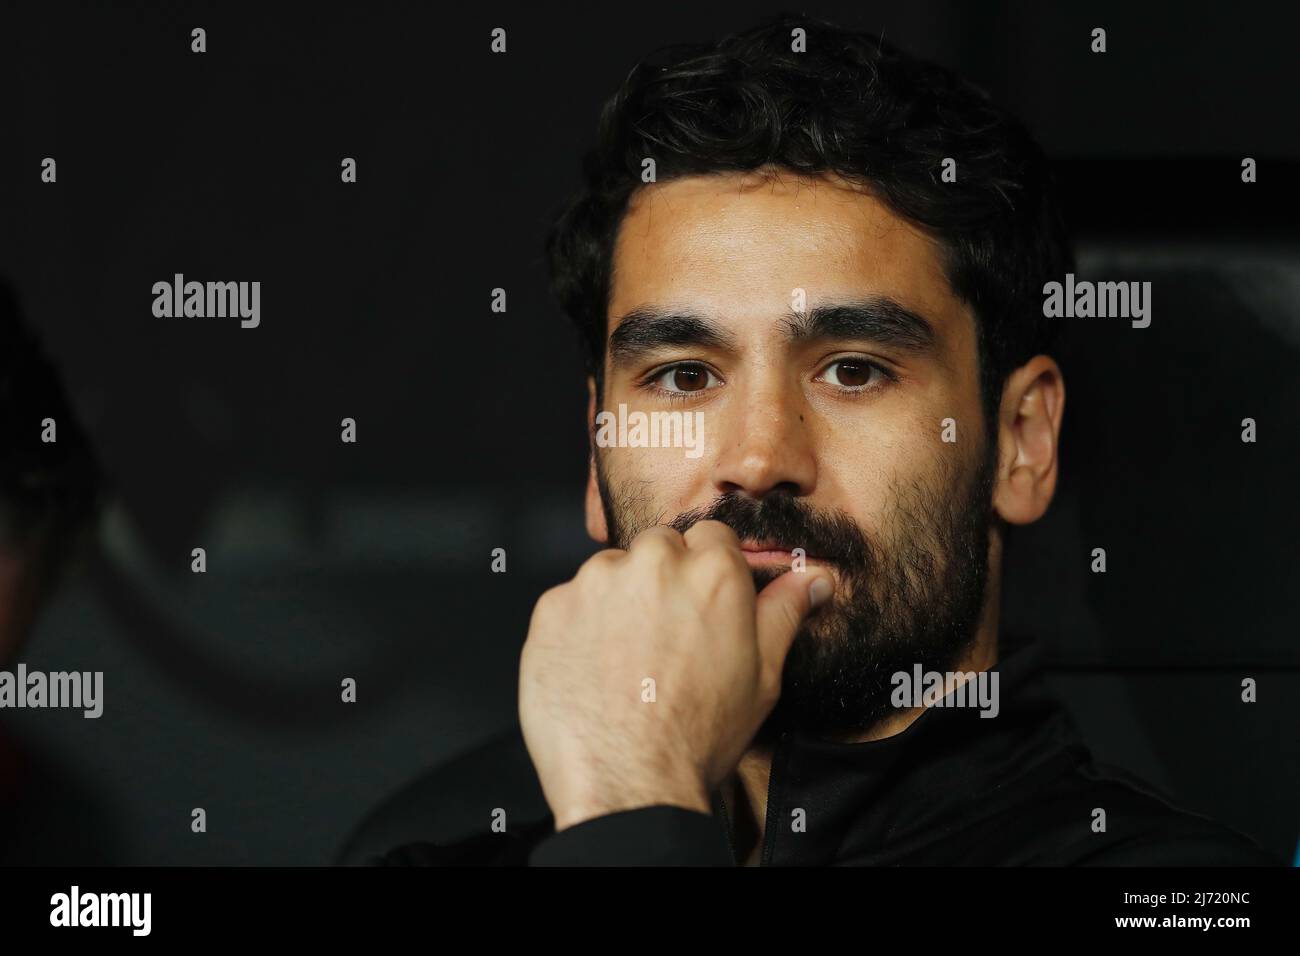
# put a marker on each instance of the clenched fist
(644, 679)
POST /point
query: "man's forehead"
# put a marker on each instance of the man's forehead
(745, 245)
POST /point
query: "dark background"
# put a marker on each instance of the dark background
(371, 560)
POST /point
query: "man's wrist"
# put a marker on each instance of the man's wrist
(688, 796)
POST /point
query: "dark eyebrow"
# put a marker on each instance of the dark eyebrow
(878, 318)
(648, 329)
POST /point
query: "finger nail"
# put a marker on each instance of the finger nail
(819, 592)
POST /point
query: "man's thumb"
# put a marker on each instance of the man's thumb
(783, 605)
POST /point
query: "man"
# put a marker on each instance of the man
(829, 256)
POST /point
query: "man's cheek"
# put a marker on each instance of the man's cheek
(674, 483)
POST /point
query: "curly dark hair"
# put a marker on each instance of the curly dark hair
(852, 105)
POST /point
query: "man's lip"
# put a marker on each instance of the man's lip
(748, 545)
(770, 551)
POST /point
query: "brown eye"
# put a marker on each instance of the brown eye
(851, 373)
(689, 379)
(684, 379)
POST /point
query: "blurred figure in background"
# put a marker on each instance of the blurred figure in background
(51, 494)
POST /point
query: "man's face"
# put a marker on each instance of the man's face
(817, 335)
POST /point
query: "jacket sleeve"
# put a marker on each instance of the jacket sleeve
(647, 836)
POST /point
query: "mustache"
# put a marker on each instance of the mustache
(789, 522)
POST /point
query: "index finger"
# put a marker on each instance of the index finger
(710, 534)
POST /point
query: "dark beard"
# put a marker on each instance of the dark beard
(916, 599)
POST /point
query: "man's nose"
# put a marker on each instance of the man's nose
(765, 445)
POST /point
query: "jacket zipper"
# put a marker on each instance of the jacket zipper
(765, 851)
(765, 846)
(726, 825)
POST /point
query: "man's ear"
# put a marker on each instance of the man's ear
(1029, 434)
(596, 526)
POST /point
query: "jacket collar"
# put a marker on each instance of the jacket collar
(859, 799)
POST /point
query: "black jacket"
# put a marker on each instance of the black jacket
(952, 789)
